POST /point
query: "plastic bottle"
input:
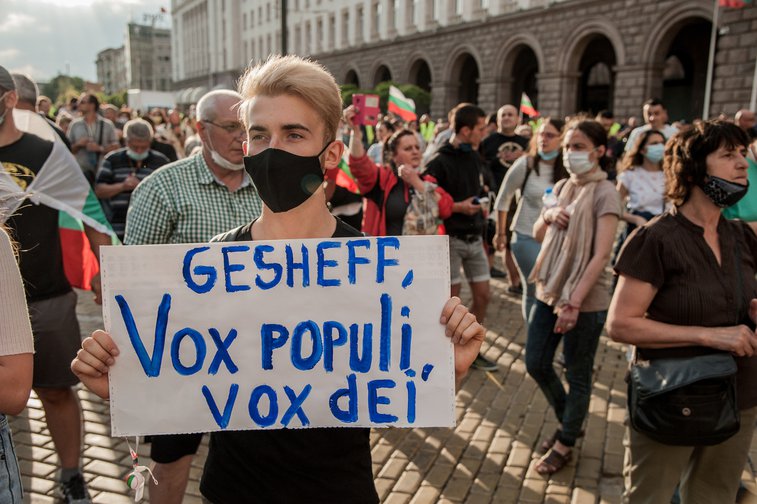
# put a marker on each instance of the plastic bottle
(549, 199)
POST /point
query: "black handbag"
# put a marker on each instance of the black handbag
(688, 401)
(685, 401)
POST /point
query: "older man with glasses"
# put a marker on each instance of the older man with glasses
(191, 201)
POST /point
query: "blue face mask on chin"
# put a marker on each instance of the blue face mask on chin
(466, 147)
(548, 156)
(137, 156)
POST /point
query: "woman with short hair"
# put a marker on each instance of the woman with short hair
(687, 288)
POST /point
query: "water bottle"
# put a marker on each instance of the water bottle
(549, 199)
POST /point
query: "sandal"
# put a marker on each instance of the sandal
(547, 444)
(552, 462)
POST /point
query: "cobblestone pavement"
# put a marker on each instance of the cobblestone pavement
(488, 457)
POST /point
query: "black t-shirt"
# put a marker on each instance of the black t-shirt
(461, 174)
(395, 206)
(286, 466)
(492, 145)
(35, 227)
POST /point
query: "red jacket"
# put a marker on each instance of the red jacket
(368, 174)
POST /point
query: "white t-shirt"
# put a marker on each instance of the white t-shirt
(529, 208)
(646, 189)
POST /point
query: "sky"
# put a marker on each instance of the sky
(43, 38)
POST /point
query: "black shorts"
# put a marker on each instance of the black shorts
(169, 448)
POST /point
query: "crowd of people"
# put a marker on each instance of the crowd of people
(672, 208)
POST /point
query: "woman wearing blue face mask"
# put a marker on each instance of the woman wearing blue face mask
(641, 182)
(572, 285)
(521, 193)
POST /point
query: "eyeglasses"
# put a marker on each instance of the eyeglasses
(230, 128)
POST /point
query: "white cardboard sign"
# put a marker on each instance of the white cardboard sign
(340, 332)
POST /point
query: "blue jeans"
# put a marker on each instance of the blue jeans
(579, 347)
(11, 491)
(525, 250)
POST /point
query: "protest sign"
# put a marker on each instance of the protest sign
(279, 334)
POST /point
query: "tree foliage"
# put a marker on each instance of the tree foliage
(62, 88)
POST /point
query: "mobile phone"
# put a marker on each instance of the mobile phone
(367, 106)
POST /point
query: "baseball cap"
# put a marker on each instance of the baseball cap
(6, 81)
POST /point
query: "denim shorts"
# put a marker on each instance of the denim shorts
(11, 491)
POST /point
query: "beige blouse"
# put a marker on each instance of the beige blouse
(15, 328)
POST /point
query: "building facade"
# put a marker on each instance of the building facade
(567, 55)
(111, 70)
(147, 51)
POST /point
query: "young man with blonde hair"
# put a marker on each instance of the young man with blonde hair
(291, 110)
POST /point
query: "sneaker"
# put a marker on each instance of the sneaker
(75, 490)
(483, 364)
(495, 273)
(515, 290)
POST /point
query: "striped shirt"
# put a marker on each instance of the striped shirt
(183, 202)
(117, 167)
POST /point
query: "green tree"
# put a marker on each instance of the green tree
(62, 88)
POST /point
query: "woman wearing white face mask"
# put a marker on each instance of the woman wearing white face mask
(641, 182)
(572, 294)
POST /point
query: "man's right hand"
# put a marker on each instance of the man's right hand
(467, 206)
(130, 182)
(93, 361)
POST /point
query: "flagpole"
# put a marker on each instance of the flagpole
(711, 62)
(753, 101)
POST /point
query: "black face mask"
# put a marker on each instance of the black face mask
(722, 192)
(284, 180)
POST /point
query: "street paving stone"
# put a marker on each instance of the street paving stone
(488, 458)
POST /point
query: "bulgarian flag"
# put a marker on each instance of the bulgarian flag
(401, 105)
(527, 107)
(737, 4)
(344, 177)
(60, 184)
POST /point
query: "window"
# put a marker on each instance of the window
(377, 11)
(319, 36)
(244, 21)
(332, 32)
(345, 28)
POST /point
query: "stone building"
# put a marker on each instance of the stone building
(567, 55)
(147, 51)
(143, 62)
(111, 69)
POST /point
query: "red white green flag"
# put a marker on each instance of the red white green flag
(344, 177)
(401, 105)
(737, 4)
(527, 107)
(60, 184)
